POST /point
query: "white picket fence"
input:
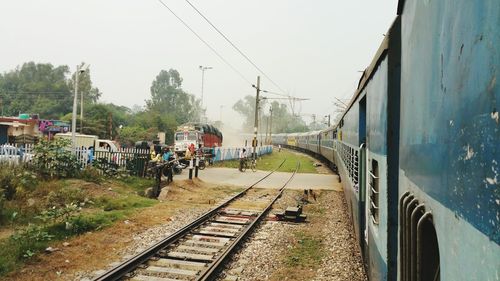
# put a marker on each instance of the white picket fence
(19, 153)
(16, 153)
(126, 158)
(119, 157)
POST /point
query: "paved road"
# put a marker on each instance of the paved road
(234, 177)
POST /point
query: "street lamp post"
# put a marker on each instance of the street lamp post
(203, 68)
(79, 69)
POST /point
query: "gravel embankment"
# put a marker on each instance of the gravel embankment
(263, 253)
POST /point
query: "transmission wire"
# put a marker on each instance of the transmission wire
(235, 47)
(206, 43)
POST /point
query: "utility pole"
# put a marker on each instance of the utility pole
(328, 116)
(203, 68)
(256, 126)
(271, 125)
(79, 70)
(73, 116)
(267, 130)
(81, 112)
(110, 118)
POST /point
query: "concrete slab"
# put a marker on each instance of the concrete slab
(220, 229)
(197, 249)
(226, 225)
(151, 278)
(167, 262)
(234, 220)
(210, 238)
(170, 270)
(228, 176)
(217, 233)
(189, 256)
(204, 243)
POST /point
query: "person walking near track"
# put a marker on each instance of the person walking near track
(242, 157)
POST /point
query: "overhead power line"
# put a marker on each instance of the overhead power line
(206, 43)
(234, 46)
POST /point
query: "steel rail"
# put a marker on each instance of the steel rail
(129, 265)
(216, 266)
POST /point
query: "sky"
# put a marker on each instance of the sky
(310, 49)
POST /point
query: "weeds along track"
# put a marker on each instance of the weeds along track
(200, 249)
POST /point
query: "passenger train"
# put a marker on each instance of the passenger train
(418, 148)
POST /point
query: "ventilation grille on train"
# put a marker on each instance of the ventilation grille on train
(419, 251)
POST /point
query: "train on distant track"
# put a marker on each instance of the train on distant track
(418, 147)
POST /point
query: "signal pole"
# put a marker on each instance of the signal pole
(256, 126)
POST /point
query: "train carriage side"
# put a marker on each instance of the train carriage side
(313, 139)
(278, 139)
(449, 171)
(302, 141)
(326, 143)
(291, 140)
(366, 153)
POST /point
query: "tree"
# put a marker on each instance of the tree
(246, 108)
(283, 121)
(43, 89)
(90, 93)
(167, 97)
(36, 88)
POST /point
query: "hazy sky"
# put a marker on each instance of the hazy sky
(311, 49)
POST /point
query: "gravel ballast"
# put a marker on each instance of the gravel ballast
(266, 254)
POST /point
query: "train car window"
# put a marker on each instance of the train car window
(374, 191)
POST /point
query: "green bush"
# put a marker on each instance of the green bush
(8, 181)
(53, 159)
(91, 174)
(65, 195)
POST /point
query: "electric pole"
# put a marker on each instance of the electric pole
(81, 112)
(110, 120)
(271, 125)
(267, 130)
(256, 126)
(328, 116)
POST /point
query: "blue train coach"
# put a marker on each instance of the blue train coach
(418, 148)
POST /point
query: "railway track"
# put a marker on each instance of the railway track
(199, 250)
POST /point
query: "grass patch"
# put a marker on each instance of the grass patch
(26, 243)
(302, 259)
(125, 203)
(38, 223)
(269, 162)
(305, 253)
(137, 184)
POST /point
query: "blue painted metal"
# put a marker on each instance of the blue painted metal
(433, 125)
(376, 263)
(3, 134)
(450, 139)
(450, 131)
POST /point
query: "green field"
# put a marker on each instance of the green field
(271, 161)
